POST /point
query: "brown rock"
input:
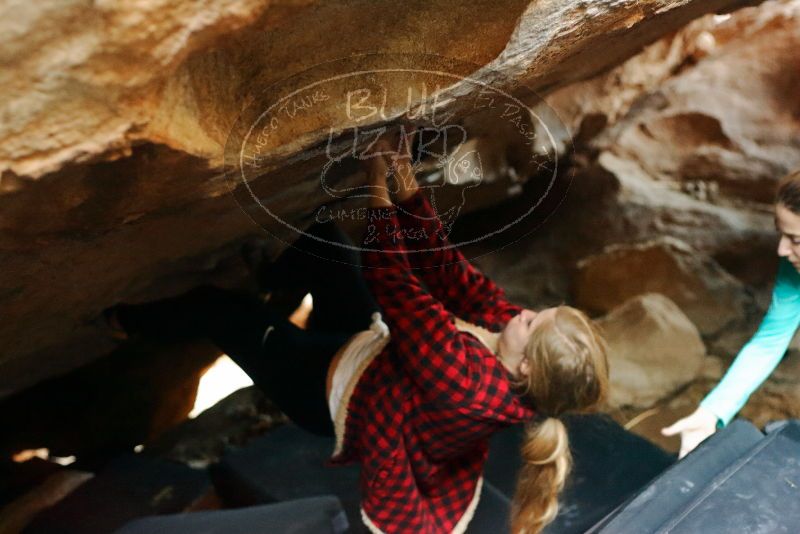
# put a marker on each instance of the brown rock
(15, 516)
(182, 83)
(704, 291)
(157, 88)
(199, 442)
(654, 349)
(649, 422)
(109, 405)
(684, 111)
(696, 130)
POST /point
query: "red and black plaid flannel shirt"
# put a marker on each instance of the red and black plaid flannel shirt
(421, 414)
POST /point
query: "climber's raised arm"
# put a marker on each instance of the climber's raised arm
(449, 276)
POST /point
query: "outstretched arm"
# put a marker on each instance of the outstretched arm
(432, 350)
(759, 357)
(450, 277)
(450, 368)
(754, 363)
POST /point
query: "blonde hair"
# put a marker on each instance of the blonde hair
(568, 372)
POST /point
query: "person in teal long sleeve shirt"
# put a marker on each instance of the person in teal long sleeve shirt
(759, 357)
(763, 352)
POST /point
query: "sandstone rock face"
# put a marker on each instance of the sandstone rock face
(111, 404)
(116, 116)
(697, 128)
(704, 291)
(638, 128)
(654, 349)
(168, 72)
(234, 420)
(683, 112)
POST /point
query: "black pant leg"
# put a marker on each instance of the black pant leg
(296, 379)
(235, 321)
(289, 364)
(342, 300)
(325, 263)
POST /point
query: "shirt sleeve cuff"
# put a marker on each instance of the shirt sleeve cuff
(723, 415)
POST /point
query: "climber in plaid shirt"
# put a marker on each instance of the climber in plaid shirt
(415, 402)
(462, 363)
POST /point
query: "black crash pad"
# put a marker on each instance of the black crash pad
(285, 464)
(315, 515)
(289, 463)
(129, 487)
(673, 490)
(610, 464)
(492, 514)
(757, 494)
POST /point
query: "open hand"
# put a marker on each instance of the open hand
(693, 429)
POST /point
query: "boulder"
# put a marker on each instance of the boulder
(182, 84)
(685, 112)
(241, 416)
(16, 515)
(708, 295)
(116, 117)
(112, 404)
(654, 349)
(695, 131)
(112, 188)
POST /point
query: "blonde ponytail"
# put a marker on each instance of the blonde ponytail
(568, 373)
(546, 464)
